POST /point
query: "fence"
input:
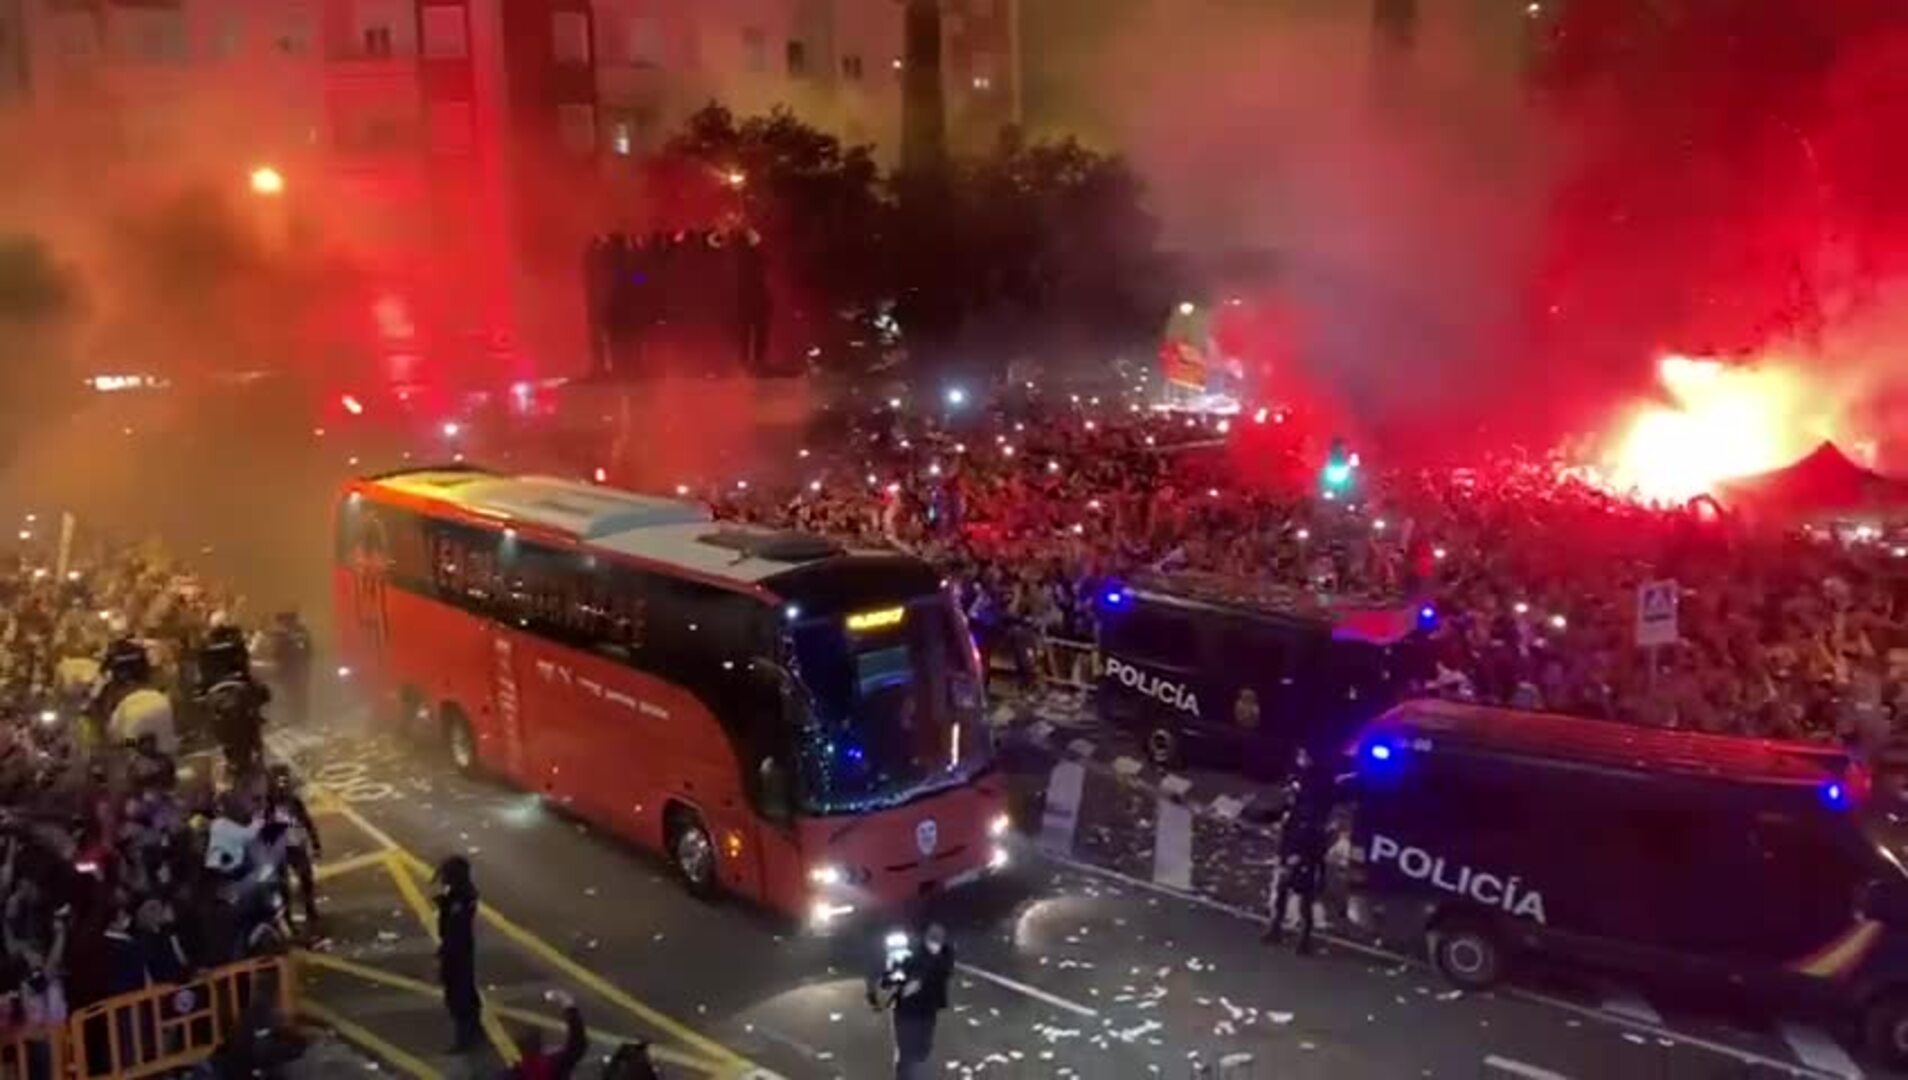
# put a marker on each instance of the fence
(37, 1051)
(1051, 662)
(155, 1031)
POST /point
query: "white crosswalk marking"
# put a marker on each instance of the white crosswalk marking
(1172, 845)
(1816, 1049)
(1628, 1005)
(1061, 816)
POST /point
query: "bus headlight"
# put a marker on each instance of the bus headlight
(826, 876)
(998, 827)
(823, 914)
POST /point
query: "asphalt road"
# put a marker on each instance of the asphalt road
(1069, 970)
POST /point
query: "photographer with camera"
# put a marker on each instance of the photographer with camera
(911, 987)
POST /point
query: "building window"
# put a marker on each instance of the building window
(577, 126)
(77, 37)
(229, 38)
(294, 34)
(570, 37)
(754, 49)
(444, 33)
(851, 67)
(158, 37)
(451, 127)
(377, 41)
(982, 66)
(643, 46)
(797, 52)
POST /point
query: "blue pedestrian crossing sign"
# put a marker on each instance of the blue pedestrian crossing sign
(1656, 614)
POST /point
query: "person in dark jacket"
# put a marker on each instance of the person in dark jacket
(291, 664)
(538, 1062)
(913, 987)
(286, 808)
(1304, 837)
(457, 952)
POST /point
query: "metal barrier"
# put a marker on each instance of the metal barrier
(1069, 665)
(162, 1029)
(34, 1052)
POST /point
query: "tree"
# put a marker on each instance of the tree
(1055, 247)
(820, 207)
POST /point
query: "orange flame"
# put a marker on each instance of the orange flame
(1720, 422)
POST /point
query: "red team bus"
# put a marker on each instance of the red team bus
(783, 719)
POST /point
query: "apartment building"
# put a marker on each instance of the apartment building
(464, 150)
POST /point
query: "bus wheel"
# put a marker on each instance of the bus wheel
(693, 852)
(459, 745)
(1885, 1029)
(1467, 955)
(1162, 746)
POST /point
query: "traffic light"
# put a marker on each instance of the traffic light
(1341, 468)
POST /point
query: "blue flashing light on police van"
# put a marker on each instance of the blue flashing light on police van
(1427, 617)
(1835, 795)
(1115, 597)
(1381, 752)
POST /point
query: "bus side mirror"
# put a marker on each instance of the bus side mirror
(788, 691)
(772, 781)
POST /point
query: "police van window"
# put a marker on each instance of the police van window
(1161, 636)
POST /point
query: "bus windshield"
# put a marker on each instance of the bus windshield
(895, 707)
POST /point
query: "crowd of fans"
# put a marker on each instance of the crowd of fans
(1786, 630)
(123, 864)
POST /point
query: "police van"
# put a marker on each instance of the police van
(1762, 868)
(1209, 668)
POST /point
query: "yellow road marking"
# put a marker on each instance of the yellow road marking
(327, 871)
(395, 981)
(414, 896)
(372, 1043)
(605, 989)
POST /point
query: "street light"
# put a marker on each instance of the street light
(267, 181)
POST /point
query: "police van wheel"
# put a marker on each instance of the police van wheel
(693, 853)
(1467, 955)
(1162, 748)
(1885, 1029)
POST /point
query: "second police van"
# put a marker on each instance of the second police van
(1206, 667)
(1764, 869)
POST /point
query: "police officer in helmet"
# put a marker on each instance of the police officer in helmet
(231, 696)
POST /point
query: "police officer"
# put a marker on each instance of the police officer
(912, 986)
(1303, 840)
(291, 662)
(286, 809)
(457, 952)
(232, 696)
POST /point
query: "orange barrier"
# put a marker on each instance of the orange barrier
(34, 1052)
(162, 1029)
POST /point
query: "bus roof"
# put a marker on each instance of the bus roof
(584, 511)
(1377, 620)
(1606, 743)
(673, 532)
